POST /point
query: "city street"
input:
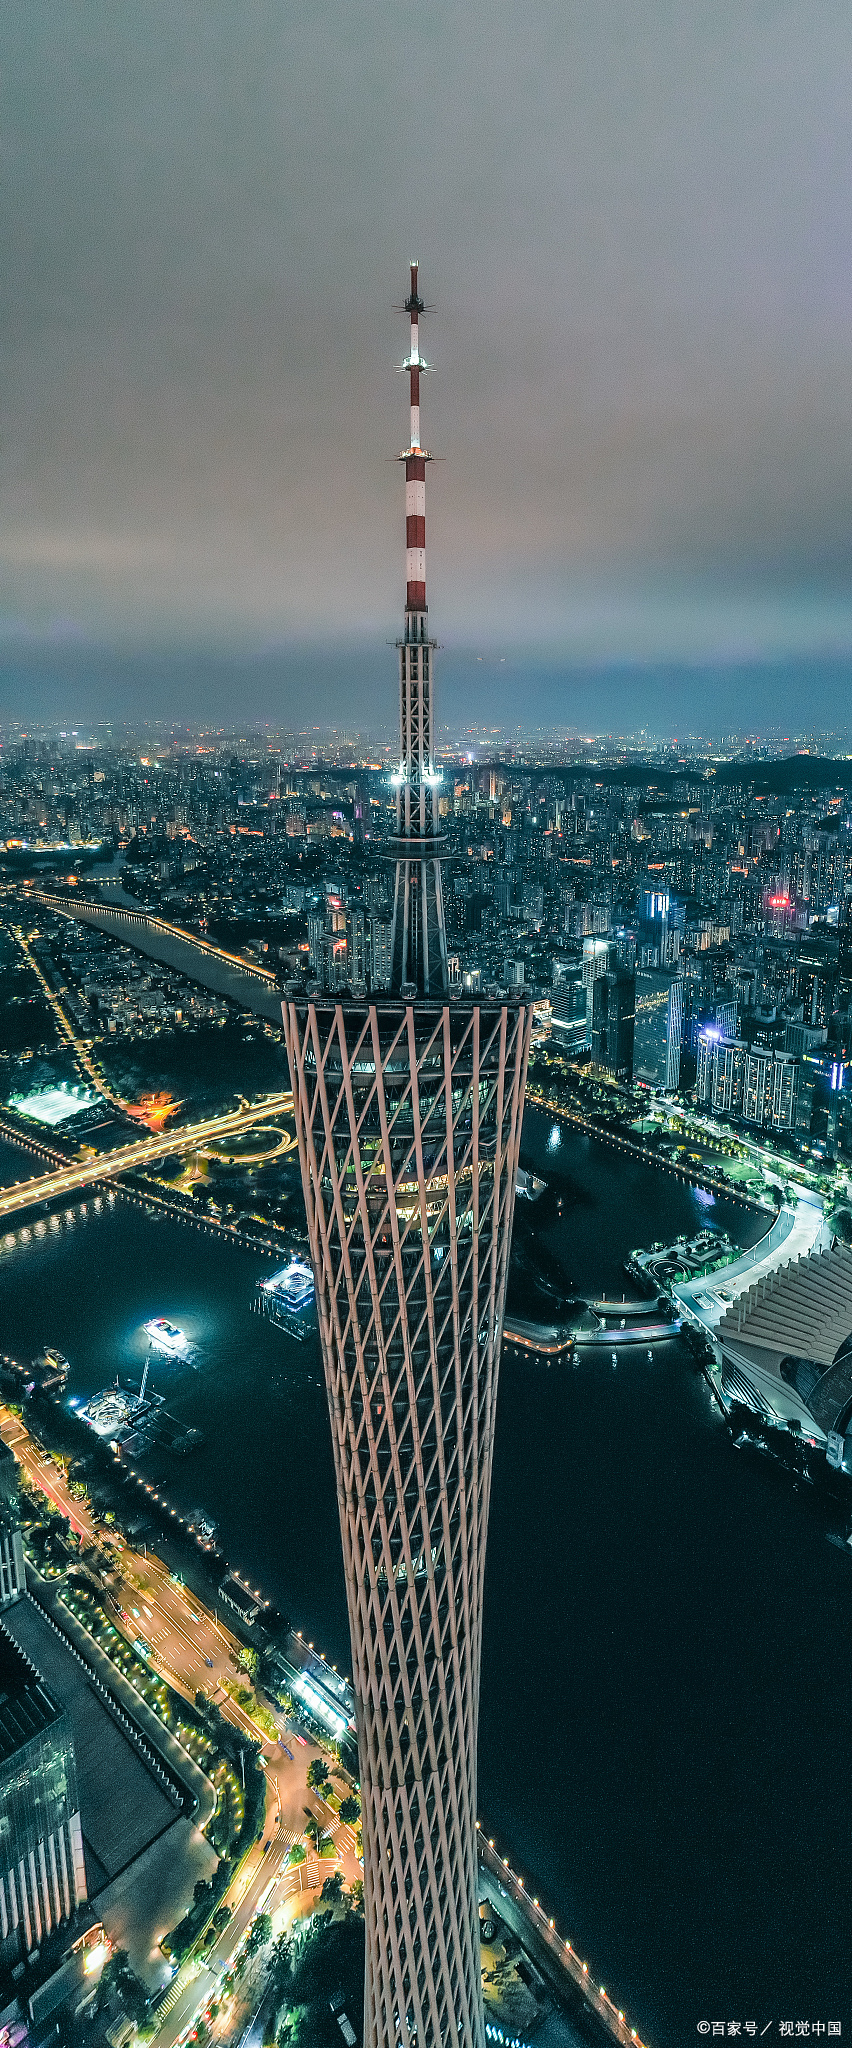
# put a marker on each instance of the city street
(194, 1650)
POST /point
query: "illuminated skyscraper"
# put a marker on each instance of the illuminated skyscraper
(42, 1874)
(658, 1032)
(408, 1115)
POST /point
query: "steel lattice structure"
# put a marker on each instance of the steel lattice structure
(408, 1120)
(408, 1117)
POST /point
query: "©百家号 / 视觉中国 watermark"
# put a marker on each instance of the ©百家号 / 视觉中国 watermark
(755, 2029)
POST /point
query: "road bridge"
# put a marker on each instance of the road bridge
(101, 1166)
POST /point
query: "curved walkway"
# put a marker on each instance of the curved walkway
(557, 1957)
(794, 1233)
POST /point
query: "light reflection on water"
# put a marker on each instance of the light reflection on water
(663, 1616)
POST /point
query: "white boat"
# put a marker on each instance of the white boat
(166, 1337)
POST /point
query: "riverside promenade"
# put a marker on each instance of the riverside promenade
(224, 974)
(794, 1232)
(557, 1959)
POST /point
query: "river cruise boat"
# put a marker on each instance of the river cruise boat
(166, 1337)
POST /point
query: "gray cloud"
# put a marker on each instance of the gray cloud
(634, 217)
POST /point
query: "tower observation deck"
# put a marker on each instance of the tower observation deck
(408, 1116)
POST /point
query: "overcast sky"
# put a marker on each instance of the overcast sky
(634, 219)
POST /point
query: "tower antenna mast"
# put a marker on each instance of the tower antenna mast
(419, 937)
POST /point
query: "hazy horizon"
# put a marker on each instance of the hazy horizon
(636, 226)
(355, 688)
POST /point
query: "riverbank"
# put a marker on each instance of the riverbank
(696, 1175)
(113, 1659)
(655, 1601)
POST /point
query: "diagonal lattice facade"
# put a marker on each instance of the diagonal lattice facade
(408, 1119)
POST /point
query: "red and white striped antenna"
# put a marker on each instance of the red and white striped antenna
(420, 954)
(415, 458)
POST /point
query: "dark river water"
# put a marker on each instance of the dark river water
(666, 1718)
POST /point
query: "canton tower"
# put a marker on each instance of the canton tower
(408, 1115)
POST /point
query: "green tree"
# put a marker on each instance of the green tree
(118, 1976)
(332, 1890)
(318, 1778)
(248, 1660)
(309, 1968)
(350, 1810)
(260, 1934)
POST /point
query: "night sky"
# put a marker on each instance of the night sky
(634, 218)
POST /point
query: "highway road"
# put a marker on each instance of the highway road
(195, 1650)
(64, 1180)
(42, 1472)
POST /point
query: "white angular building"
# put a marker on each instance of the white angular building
(786, 1348)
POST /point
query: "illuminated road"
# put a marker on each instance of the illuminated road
(79, 1046)
(42, 1472)
(195, 1651)
(106, 1165)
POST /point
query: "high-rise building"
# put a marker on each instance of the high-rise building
(612, 999)
(42, 1875)
(785, 1092)
(316, 943)
(759, 1083)
(659, 928)
(408, 1114)
(600, 957)
(356, 958)
(658, 1031)
(380, 953)
(817, 973)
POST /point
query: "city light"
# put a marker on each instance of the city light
(632, 953)
(54, 1106)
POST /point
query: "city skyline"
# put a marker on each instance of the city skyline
(592, 883)
(330, 926)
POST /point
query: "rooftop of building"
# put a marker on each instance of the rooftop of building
(803, 1309)
(123, 1808)
(27, 1708)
